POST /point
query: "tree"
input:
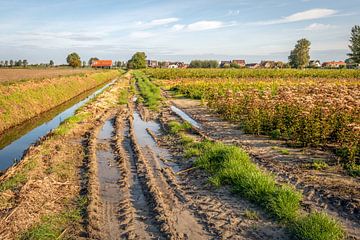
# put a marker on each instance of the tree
(234, 65)
(91, 60)
(25, 63)
(204, 64)
(51, 63)
(11, 63)
(137, 61)
(6, 63)
(83, 64)
(355, 44)
(73, 59)
(300, 57)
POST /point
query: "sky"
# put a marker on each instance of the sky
(254, 30)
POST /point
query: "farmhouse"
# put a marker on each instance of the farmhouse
(241, 63)
(252, 65)
(101, 64)
(315, 63)
(334, 64)
(267, 64)
(152, 63)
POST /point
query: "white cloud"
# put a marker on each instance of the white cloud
(141, 34)
(178, 27)
(318, 27)
(311, 14)
(204, 25)
(156, 22)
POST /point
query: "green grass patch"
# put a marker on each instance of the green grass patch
(319, 164)
(51, 226)
(124, 96)
(18, 179)
(317, 226)
(252, 215)
(230, 165)
(176, 127)
(69, 123)
(148, 90)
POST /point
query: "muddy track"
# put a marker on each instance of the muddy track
(332, 192)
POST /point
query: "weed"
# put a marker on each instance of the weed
(251, 214)
(176, 127)
(319, 164)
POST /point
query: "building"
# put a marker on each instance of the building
(241, 63)
(252, 65)
(101, 64)
(334, 64)
(267, 64)
(315, 64)
(173, 66)
(225, 64)
(152, 63)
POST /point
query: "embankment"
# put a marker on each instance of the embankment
(24, 100)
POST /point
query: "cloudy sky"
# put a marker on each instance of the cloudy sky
(40, 30)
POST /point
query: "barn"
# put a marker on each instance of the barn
(102, 64)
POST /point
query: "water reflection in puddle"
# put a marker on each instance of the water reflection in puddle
(144, 139)
(185, 117)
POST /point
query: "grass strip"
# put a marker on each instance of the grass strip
(230, 165)
(148, 90)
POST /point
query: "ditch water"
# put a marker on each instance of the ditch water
(186, 117)
(16, 140)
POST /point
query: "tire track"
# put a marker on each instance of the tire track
(175, 219)
(135, 213)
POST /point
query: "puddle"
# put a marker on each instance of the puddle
(108, 177)
(144, 139)
(14, 142)
(143, 211)
(186, 117)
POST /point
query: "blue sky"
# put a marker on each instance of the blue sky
(254, 30)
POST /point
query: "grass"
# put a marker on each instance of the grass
(150, 93)
(68, 124)
(176, 127)
(317, 226)
(51, 226)
(319, 164)
(124, 96)
(252, 215)
(59, 225)
(24, 100)
(230, 165)
(18, 179)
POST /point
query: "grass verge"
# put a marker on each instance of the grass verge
(230, 165)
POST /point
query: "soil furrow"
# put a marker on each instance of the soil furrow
(176, 219)
(136, 216)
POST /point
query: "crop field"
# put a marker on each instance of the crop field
(10, 75)
(192, 154)
(310, 112)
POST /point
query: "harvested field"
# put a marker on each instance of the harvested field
(12, 75)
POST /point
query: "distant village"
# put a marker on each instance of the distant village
(242, 64)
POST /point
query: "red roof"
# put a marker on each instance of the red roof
(102, 63)
(334, 63)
